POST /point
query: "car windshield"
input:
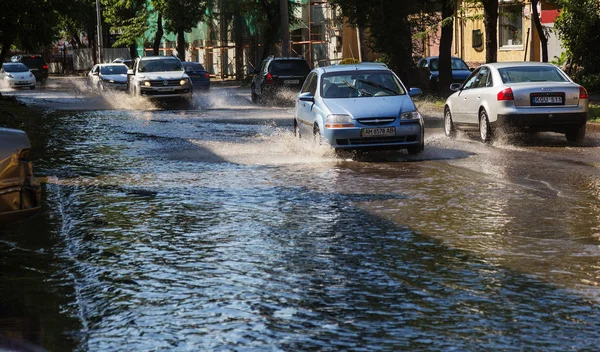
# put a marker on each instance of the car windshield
(457, 64)
(193, 67)
(113, 70)
(290, 67)
(15, 68)
(161, 65)
(520, 74)
(352, 84)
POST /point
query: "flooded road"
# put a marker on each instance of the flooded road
(213, 228)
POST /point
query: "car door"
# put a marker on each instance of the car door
(459, 110)
(304, 113)
(476, 95)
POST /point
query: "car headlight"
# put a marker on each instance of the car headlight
(8, 75)
(338, 121)
(412, 115)
(147, 84)
(184, 81)
(31, 75)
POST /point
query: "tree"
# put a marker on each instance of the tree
(490, 13)
(182, 16)
(540, 30)
(445, 57)
(130, 18)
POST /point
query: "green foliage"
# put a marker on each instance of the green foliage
(594, 113)
(591, 81)
(579, 28)
(129, 17)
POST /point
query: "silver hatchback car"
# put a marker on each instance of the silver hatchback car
(359, 106)
(517, 96)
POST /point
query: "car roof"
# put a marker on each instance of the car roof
(364, 66)
(519, 64)
(159, 57)
(437, 57)
(112, 64)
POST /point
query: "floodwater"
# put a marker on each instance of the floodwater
(213, 228)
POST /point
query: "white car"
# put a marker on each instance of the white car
(108, 76)
(17, 75)
(517, 96)
(159, 77)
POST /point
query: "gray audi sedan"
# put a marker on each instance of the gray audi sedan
(517, 96)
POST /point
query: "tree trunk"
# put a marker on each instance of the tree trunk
(238, 35)
(445, 78)
(181, 44)
(158, 35)
(133, 51)
(6, 44)
(540, 30)
(490, 8)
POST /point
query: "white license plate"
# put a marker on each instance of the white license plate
(23, 82)
(378, 132)
(166, 89)
(547, 100)
(291, 81)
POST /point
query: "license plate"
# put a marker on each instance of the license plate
(548, 100)
(23, 82)
(165, 89)
(378, 132)
(291, 81)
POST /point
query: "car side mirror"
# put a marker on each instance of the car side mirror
(413, 92)
(95, 73)
(306, 97)
(471, 69)
(129, 72)
(455, 87)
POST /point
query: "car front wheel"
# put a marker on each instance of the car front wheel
(297, 130)
(485, 131)
(449, 128)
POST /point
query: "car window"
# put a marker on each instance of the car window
(482, 78)
(458, 64)
(113, 70)
(310, 84)
(194, 66)
(351, 84)
(289, 67)
(471, 80)
(519, 74)
(161, 65)
(434, 65)
(15, 68)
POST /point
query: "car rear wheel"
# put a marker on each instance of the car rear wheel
(254, 97)
(485, 131)
(449, 128)
(576, 135)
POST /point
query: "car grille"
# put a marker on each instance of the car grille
(377, 140)
(376, 121)
(161, 83)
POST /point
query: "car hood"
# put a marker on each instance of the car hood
(385, 106)
(119, 78)
(164, 75)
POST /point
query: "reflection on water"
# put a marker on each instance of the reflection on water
(217, 229)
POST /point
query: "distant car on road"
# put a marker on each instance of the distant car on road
(159, 77)
(17, 75)
(36, 64)
(277, 74)
(108, 76)
(127, 62)
(517, 96)
(359, 106)
(199, 76)
(429, 72)
(20, 192)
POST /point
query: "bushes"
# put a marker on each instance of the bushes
(591, 82)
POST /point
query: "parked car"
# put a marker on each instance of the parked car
(159, 77)
(127, 62)
(362, 106)
(36, 64)
(108, 76)
(199, 76)
(17, 75)
(517, 96)
(277, 74)
(429, 72)
(20, 192)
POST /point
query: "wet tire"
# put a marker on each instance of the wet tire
(297, 130)
(449, 128)
(576, 135)
(254, 97)
(317, 138)
(416, 150)
(485, 130)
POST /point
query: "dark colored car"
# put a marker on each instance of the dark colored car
(36, 64)
(429, 72)
(20, 192)
(277, 74)
(199, 76)
(127, 62)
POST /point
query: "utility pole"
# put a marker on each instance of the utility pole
(285, 28)
(99, 30)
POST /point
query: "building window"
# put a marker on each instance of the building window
(510, 25)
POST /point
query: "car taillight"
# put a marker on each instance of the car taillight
(45, 67)
(269, 78)
(32, 56)
(583, 94)
(506, 94)
(206, 75)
